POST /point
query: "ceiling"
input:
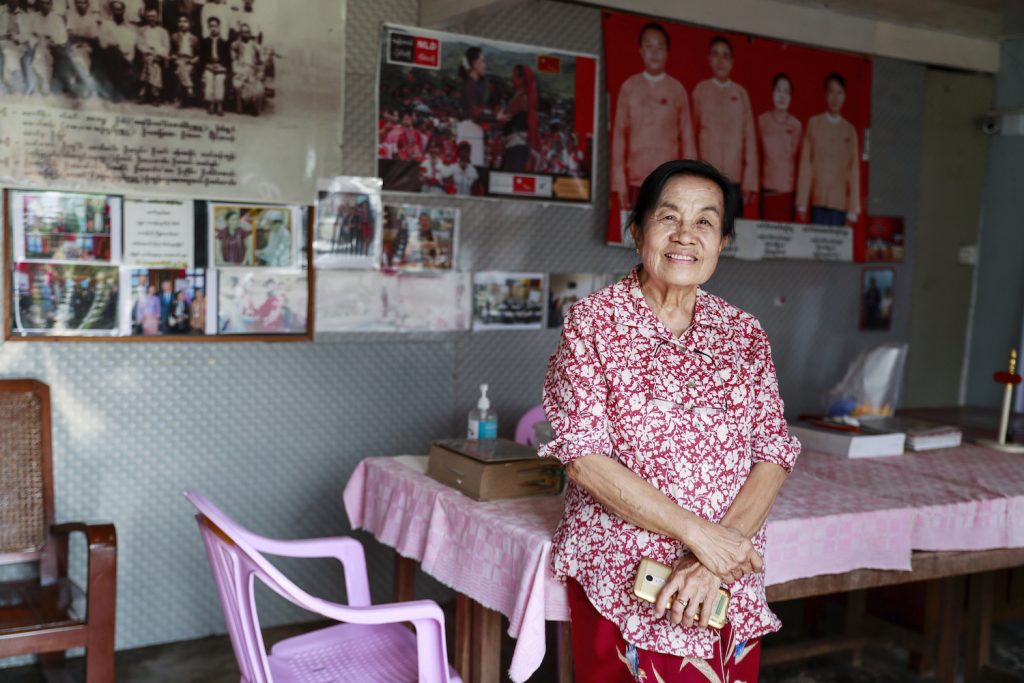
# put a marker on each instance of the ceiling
(977, 18)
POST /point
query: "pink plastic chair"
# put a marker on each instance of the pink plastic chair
(524, 429)
(372, 645)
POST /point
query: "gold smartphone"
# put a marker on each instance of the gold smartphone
(650, 578)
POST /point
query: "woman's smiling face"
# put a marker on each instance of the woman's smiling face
(682, 235)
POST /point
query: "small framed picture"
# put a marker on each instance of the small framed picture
(65, 226)
(508, 301)
(565, 289)
(348, 228)
(876, 296)
(262, 301)
(62, 299)
(164, 301)
(419, 237)
(254, 235)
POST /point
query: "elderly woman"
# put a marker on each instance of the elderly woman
(666, 411)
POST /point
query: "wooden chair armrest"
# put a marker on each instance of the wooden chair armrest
(96, 534)
(102, 557)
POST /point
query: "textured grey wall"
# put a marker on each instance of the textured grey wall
(999, 283)
(954, 153)
(271, 432)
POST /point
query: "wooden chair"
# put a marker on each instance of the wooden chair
(43, 615)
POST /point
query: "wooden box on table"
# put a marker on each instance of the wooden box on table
(493, 469)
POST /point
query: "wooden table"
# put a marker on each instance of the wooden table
(955, 572)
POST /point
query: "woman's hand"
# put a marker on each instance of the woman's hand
(725, 552)
(691, 589)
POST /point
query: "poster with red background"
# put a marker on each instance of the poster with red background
(755, 63)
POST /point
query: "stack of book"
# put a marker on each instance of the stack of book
(847, 441)
(492, 469)
(921, 435)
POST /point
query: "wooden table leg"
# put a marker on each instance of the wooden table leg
(486, 645)
(979, 625)
(405, 579)
(565, 670)
(856, 607)
(947, 643)
(464, 636)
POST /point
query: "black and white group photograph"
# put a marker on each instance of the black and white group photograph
(187, 54)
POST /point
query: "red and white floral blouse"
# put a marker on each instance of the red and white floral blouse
(690, 415)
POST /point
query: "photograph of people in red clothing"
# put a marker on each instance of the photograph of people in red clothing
(460, 115)
(261, 301)
(786, 123)
(253, 235)
(62, 226)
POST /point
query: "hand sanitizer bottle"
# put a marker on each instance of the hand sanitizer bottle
(483, 422)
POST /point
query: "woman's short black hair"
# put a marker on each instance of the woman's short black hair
(721, 40)
(654, 184)
(654, 26)
(472, 54)
(782, 76)
(838, 78)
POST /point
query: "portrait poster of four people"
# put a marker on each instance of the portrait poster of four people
(785, 122)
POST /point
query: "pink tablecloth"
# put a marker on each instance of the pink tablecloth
(820, 527)
(983, 469)
(948, 513)
(496, 553)
(832, 516)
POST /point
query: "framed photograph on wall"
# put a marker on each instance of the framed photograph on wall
(253, 235)
(876, 297)
(133, 103)
(164, 301)
(467, 116)
(65, 226)
(885, 237)
(262, 301)
(64, 299)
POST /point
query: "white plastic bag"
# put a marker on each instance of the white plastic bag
(872, 384)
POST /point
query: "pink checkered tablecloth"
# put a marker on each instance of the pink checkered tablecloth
(832, 516)
(948, 513)
(497, 552)
(819, 527)
(984, 469)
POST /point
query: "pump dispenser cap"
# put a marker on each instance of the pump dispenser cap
(484, 403)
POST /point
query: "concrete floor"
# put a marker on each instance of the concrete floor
(210, 660)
